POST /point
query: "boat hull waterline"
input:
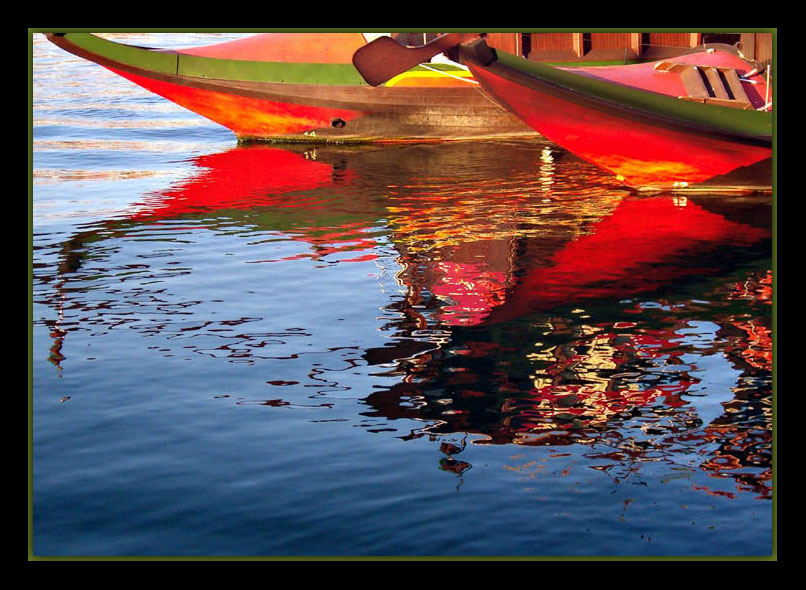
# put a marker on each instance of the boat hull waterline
(650, 137)
(303, 87)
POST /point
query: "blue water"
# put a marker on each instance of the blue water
(457, 350)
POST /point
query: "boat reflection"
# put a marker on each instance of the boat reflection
(627, 385)
(518, 269)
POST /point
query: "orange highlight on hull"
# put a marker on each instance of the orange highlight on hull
(246, 117)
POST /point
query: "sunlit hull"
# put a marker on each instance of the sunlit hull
(632, 121)
(302, 87)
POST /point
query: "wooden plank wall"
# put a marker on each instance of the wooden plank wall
(611, 40)
(673, 39)
(614, 46)
(763, 46)
(543, 42)
(593, 46)
(757, 46)
(553, 45)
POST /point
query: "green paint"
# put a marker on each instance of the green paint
(747, 123)
(221, 69)
(261, 71)
(164, 63)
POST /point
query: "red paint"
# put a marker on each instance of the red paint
(645, 77)
(243, 178)
(262, 176)
(633, 250)
(468, 291)
(245, 116)
(640, 153)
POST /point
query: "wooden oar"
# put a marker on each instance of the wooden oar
(384, 58)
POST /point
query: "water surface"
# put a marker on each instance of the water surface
(476, 349)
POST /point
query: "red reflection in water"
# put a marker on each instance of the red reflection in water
(634, 247)
(243, 178)
(585, 384)
(251, 177)
(630, 250)
(634, 250)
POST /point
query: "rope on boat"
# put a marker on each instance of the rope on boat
(764, 66)
(767, 98)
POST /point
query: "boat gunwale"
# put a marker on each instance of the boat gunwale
(345, 96)
(657, 109)
(188, 66)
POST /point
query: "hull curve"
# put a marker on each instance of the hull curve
(639, 122)
(261, 99)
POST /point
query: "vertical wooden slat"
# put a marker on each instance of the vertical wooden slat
(747, 43)
(756, 46)
(635, 43)
(545, 42)
(763, 49)
(674, 39)
(556, 43)
(578, 44)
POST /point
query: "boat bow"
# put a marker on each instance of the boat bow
(649, 139)
(304, 87)
(582, 85)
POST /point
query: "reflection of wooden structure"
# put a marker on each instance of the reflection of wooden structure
(623, 46)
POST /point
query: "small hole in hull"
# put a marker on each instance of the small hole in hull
(338, 123)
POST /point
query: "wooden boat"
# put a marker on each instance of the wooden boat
(304, 87)
(670, 123)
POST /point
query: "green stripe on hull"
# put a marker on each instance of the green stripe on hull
(164, 63)
(219, 69)
(747, 123)
(265, 71)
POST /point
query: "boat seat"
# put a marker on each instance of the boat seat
(714, 85)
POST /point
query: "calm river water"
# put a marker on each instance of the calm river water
(484, 349)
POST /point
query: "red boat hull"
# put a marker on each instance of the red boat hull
(246, 116)
(303, 87)
(640, 151)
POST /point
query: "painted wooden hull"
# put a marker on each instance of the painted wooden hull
(303, 87)
(631, 120)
